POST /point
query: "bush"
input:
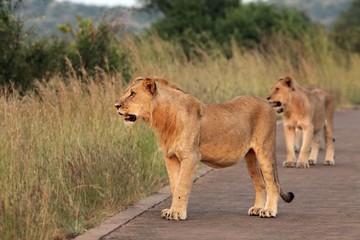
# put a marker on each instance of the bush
(12, 51)
(45, 58)
(250, 23)
(96, 47)
(346, 29)
(194, 23)
(91, 48)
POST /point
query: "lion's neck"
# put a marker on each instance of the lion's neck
(164, 122)
(295, 102)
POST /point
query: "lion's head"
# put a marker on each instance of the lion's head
(280, 93)
(135, 102)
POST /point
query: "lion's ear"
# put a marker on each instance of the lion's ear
(289, 82)
(150, 85)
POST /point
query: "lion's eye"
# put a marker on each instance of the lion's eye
(132, 93)
(277, 89)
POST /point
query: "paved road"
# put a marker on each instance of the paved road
(326, 204)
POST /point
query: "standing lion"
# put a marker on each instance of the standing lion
(309, 110)
(218, 135)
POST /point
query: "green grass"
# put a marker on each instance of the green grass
(67, 161)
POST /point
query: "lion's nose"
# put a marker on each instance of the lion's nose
(118, 106)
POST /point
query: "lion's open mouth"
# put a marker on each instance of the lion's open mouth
(130, 118)
(280, 110)
(276, 104)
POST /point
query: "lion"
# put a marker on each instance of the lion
(309, 110)
(218, 135)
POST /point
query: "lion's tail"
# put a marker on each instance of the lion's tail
(287, 197)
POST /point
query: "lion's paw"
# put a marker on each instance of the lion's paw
(312, 162)
(289, 164)
(254, 211)
(173, 215)
(329, 162)
(302, 165)
(267, 213)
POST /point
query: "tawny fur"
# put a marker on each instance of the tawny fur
(309, 110)
(218, 135)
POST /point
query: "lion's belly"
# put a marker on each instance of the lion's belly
(222, 155)
(222, 163)
(227, 130)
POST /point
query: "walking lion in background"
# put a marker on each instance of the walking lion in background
(218, 135)
(309, 110)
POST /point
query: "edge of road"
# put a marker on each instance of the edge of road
(128, 214)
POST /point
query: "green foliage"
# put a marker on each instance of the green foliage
(249, 24)
(196, 22)
(169, 7)
(346, 29)
(93, 48)
(96, 47)
(45, 58)
(192, 23)
(12, 52)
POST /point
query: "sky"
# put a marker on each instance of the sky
(112, 3)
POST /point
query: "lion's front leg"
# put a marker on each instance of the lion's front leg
(180, 189)
(173, 170)
(298, 137)
(290, 141)
(308, 134)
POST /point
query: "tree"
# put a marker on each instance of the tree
(249, 24)
(23, 61)
(12, 51)
(191, 23)
(196, 23)
(346, 29)
(93, 46)
(96, 46)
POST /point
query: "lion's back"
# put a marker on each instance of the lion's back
(241, 116)
(254, 108)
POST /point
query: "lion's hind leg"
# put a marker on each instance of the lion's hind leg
(258, 182)
(315, 146)
(330, 148)
(298, 138)
(328, 132)
(267, 165)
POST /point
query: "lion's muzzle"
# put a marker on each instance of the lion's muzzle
(130, 118)
(127, 117)
(275, 104)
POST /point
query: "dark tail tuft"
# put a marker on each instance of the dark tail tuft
(287, 197)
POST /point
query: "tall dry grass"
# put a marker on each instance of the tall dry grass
(215, 79)
(67, 161)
